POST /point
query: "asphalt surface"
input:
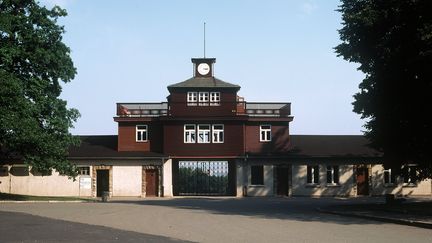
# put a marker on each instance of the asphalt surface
(200, 220)
(21, 227)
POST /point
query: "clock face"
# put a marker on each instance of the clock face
(203, 68)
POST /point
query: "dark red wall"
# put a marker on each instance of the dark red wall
(239, 138)
(127, 140)
(178, 105)
(233, 142)
(278, 144)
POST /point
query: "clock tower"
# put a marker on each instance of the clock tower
(203, 67)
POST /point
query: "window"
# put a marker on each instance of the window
(83, 170)
(389, 177)
(214, 98)
(218, 133)
(203, 98)
(189, 134)
(141, 133)
(333, 174)
(203, 133)
(36, 172)
(257, 175)
(192, 98)
(312, 174)
(265, 133)
(410, 174)
(19, 170)
(4, 170)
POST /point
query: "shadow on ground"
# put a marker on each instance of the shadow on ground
(21, 227)
(299, 209)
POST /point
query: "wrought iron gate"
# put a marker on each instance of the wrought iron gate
(206, 178)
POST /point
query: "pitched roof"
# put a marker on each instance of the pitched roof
(105, 146)
(203, 82)
(331, 146)
(301, 147)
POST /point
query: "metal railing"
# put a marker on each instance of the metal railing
(142, 109)
(267, 109)
(255, 109)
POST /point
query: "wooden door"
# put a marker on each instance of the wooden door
(282, 181)
(362, 181)
(151, 182)
(102, 182)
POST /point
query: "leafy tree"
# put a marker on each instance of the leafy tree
(34, 122)
(392, 42)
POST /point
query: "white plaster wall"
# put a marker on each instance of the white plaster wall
(240, 178)
(167, 179)
(53, 185)
(127, 181)
(84, 192)
(4, 182)
(261, 190)
(399, 188)
(346, 186)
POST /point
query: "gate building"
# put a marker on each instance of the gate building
(206, 140)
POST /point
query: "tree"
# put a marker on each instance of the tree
(392, 42)
(34, 121)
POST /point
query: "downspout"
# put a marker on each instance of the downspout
(161, 183)
(10, 180)
(244, 181)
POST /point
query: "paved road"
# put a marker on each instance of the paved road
(213, 220)
(20, 227)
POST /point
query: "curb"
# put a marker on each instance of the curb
(381, 219)
(48, 201)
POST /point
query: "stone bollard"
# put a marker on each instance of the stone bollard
(105, 196)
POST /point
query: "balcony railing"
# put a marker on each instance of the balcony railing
(255, 109)
(142, 109)
(268, 109)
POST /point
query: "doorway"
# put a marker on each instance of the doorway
(102, 182)
(151, 179)
(282, 181)
(362, 181)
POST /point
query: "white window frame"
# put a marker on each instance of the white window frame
(332, 169)
(203, 98)
(192, 98)
(218, 133)
(214, 98)
(314, 179)
(82, 169)
(142, 131)
(265, 134)
(204, 135)
(391, 179)
(189, 134)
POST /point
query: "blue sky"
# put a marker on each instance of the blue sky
(282, 51)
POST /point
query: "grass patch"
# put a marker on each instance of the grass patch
(18, 197)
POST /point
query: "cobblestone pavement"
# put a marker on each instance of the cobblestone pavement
(220, 220)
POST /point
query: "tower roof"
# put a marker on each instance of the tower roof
(203, 82)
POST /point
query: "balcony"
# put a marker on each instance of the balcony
(263, 109)
(142, 109)
(252, 109)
